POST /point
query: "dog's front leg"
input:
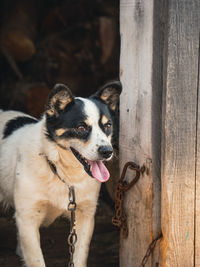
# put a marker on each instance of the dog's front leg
(84, 230)
(29, 238)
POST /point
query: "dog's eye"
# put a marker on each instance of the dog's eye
(81, 128)
(107, 126)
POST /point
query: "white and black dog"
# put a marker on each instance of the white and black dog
(74, 135)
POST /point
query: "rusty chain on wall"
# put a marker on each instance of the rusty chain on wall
(120, 218)
(150, 250)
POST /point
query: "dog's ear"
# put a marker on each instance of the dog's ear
(109, 94)
(58, 99)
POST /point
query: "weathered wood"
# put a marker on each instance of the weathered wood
(197, 207)
(157, 88)
(179, 133)
(136, 64)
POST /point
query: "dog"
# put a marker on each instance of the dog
(74, 135)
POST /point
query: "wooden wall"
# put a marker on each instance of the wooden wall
(179, 136)
(136, 125)
(159, 112)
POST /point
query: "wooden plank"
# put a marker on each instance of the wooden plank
(157, 88)
(136, 27)
(179, 134)
(197, 207)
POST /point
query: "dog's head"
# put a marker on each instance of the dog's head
(84, 125)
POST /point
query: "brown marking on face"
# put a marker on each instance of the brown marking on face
(82, 143)
(104, 119)
(60, 131)
(63, 143)
(71, 169)
(87, 122)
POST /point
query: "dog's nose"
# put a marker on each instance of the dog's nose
(105, 151)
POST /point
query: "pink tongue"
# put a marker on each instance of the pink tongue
(99, 171)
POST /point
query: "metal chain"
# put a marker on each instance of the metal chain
(119, 219)
(72, 238)
(150, 250)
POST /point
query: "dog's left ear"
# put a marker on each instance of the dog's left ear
(58, 99)
(109, 94)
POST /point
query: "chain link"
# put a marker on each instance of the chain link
(72, 238)
(150, 250)
(120, 218)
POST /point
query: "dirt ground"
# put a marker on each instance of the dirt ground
(103, 249)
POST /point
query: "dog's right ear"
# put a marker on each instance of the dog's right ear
(109, 94)
(58, 99)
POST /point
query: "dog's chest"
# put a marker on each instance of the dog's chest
(86, 193)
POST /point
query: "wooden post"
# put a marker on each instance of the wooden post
(179, 136)
(197, 204)
(136, 64)
(143, 62)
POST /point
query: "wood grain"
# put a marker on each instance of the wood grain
(179, 134)
(197, 207)
(136, 61)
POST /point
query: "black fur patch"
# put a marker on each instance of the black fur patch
(69, 119)
(16, 123)
(109, 131)
(103, 110)
(74, 133)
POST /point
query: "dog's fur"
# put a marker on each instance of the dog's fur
(28, 184)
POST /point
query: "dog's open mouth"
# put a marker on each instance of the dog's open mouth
(95, 169)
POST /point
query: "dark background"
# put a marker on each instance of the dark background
(55, 41)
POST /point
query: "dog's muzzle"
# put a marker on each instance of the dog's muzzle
(95, 168)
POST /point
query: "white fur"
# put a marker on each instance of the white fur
(38, 196)
(98, 137)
